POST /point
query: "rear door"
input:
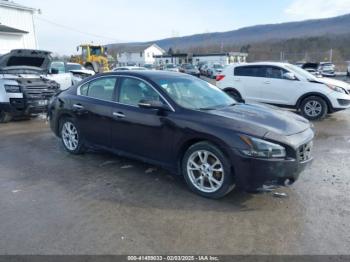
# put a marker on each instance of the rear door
(93, 110)
(249, 81)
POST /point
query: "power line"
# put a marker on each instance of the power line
(75, 30)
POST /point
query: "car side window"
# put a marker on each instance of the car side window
(275, 72)
(251, 71)
(132, 91)
(102, 88)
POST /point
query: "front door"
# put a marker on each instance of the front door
(139, 131)
(276, 89)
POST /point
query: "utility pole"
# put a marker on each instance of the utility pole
(331, 55)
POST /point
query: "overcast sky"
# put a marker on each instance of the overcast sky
(63, 24)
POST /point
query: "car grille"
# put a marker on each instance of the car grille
(305, 152)
(39, 92)
(34, 89)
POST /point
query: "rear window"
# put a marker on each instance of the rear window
(253, 71)
(25, 61)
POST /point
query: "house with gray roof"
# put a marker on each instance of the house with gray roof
(138, 54)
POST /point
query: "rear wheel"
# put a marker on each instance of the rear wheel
(207, 171)
(90, 67)
(314, 108)
(71, 136)
(5, 117)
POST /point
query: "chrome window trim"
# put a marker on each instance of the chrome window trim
(116, 102)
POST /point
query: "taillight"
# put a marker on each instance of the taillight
(219, 77)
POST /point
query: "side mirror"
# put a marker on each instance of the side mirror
(153, 104)
(289, 76)
(54, 71)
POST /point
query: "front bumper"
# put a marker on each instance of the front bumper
(21, 106)
(339, 101)
(253, 173)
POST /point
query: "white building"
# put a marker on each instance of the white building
(176, 59)
(16, 27)
(138, 54)
(221, 58)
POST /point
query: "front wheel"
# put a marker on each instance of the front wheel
(5, 117)
(207, 171)
(71, 136)
(314, 108)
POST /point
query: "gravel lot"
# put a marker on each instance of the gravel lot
(97, 203)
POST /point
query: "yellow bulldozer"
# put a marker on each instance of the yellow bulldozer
(93, 57)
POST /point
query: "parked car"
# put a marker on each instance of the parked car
(76, 68)
(149, 66)
(68, 74)
(327, 69)
(214, 69)
(171, 68)
(186, 125)
(203, 69)
(190, 69)
(285, 85)
(127, 68)
(24, 85)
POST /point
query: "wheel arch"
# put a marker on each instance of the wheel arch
(59, 119)
(192, 141)
(324, 97)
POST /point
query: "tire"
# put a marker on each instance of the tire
(199, 175)
(90, 67)
(5, 117)
(234, 94)
(314, 108)
(71, 136)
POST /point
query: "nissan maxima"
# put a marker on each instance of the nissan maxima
(185, 125)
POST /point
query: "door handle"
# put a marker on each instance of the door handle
(267, 82)
(118, 114)
(78, 106)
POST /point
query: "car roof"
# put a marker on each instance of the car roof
(146, 73)
(261, 64)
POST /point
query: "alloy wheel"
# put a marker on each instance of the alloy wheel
(313, 108)
(70, 136)
(205, 171)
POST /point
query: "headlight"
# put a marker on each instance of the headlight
(12, 89)
(337, 89)
(262, 149)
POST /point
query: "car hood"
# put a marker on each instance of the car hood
(25, 59)
(330, 81)
(261, 120)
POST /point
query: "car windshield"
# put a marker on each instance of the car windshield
(302, 72)
(74, 67)
(194, 93)
(59, 66)
(170, 66)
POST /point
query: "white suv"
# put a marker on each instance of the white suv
(285, 85)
